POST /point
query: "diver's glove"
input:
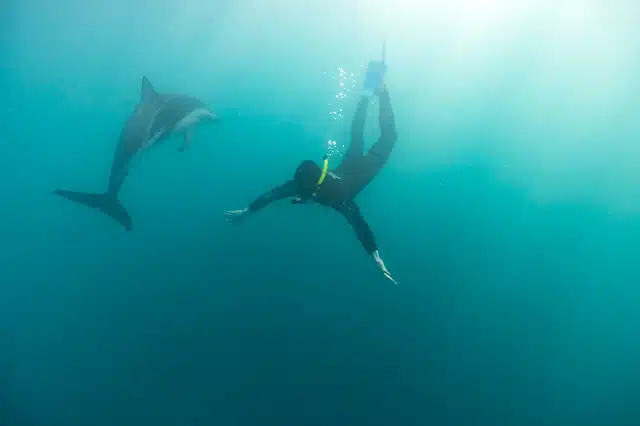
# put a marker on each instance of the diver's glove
(236, 216)
(383, 268)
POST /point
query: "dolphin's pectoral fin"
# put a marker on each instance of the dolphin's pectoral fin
(148, 92)
(188, 136)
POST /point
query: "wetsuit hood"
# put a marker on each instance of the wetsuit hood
(306, 177)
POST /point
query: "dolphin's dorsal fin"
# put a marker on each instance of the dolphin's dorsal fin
(148, 92)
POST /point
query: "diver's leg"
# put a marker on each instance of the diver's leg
(369, 165)
(355, 150)
(380, 152)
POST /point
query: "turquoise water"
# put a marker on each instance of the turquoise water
(509, 214)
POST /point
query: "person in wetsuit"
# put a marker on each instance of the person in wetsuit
(338, 188)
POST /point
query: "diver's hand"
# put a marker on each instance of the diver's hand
(383, 268)
(236, 216)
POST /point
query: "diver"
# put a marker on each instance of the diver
(338, 188)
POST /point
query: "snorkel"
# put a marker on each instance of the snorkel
(323, 175)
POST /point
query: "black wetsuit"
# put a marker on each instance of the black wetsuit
(356, 170)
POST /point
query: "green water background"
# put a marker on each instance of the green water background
(508, 213)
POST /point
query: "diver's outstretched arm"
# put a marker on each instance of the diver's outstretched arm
(351, 212)
(363, 231)
(383, 268)
(286, 190)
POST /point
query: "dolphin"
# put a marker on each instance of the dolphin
(156, 117)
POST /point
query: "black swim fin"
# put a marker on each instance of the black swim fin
(106, 203)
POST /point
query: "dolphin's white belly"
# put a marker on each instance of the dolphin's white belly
(153, 139)
(192, 119)
(185, 123)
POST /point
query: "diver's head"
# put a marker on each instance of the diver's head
(306, 177)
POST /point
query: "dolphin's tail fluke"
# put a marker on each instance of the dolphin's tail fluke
(106, 203)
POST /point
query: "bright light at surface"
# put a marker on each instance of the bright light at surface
(469, 11)
(548, 87)
(421, 18)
